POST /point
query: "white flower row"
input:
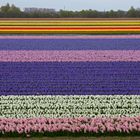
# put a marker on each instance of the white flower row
(69, 106)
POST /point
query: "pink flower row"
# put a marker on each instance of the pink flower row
(70, 56)
(72, 37)
(85, 125)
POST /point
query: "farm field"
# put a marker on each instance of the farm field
(69, 77)
(62, 26)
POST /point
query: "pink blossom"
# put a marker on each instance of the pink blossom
(70, 56)
(92, 125)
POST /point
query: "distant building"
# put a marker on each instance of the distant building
(43, 10)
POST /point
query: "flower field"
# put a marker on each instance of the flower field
(69, 77)
(69, 26)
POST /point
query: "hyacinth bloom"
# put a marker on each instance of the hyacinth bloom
(103, 125)
(69, 84)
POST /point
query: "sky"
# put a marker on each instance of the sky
(100, 5)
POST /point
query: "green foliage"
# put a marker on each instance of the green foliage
(11, 11)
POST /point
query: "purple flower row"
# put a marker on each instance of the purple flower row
(70, 44)
(74, 125)
(79, 78)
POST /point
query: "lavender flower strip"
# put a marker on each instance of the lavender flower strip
(70, 37)
(70, 56)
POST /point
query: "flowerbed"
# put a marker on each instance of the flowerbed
(69, 43)
(69, 106)
(69, 85)
(69, 27)
(66, 126)
(70, 56)
(69, 78)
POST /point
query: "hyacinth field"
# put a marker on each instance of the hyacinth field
(69, 77)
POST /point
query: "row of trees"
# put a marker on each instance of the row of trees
(11, 11)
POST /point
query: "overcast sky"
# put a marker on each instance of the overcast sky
(76, 4)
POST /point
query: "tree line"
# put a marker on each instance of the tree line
(11, 11)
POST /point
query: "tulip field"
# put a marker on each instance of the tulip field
(69, 77)
(69, 26)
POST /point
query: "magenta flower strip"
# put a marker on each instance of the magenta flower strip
(73, 125)
(70, 56)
